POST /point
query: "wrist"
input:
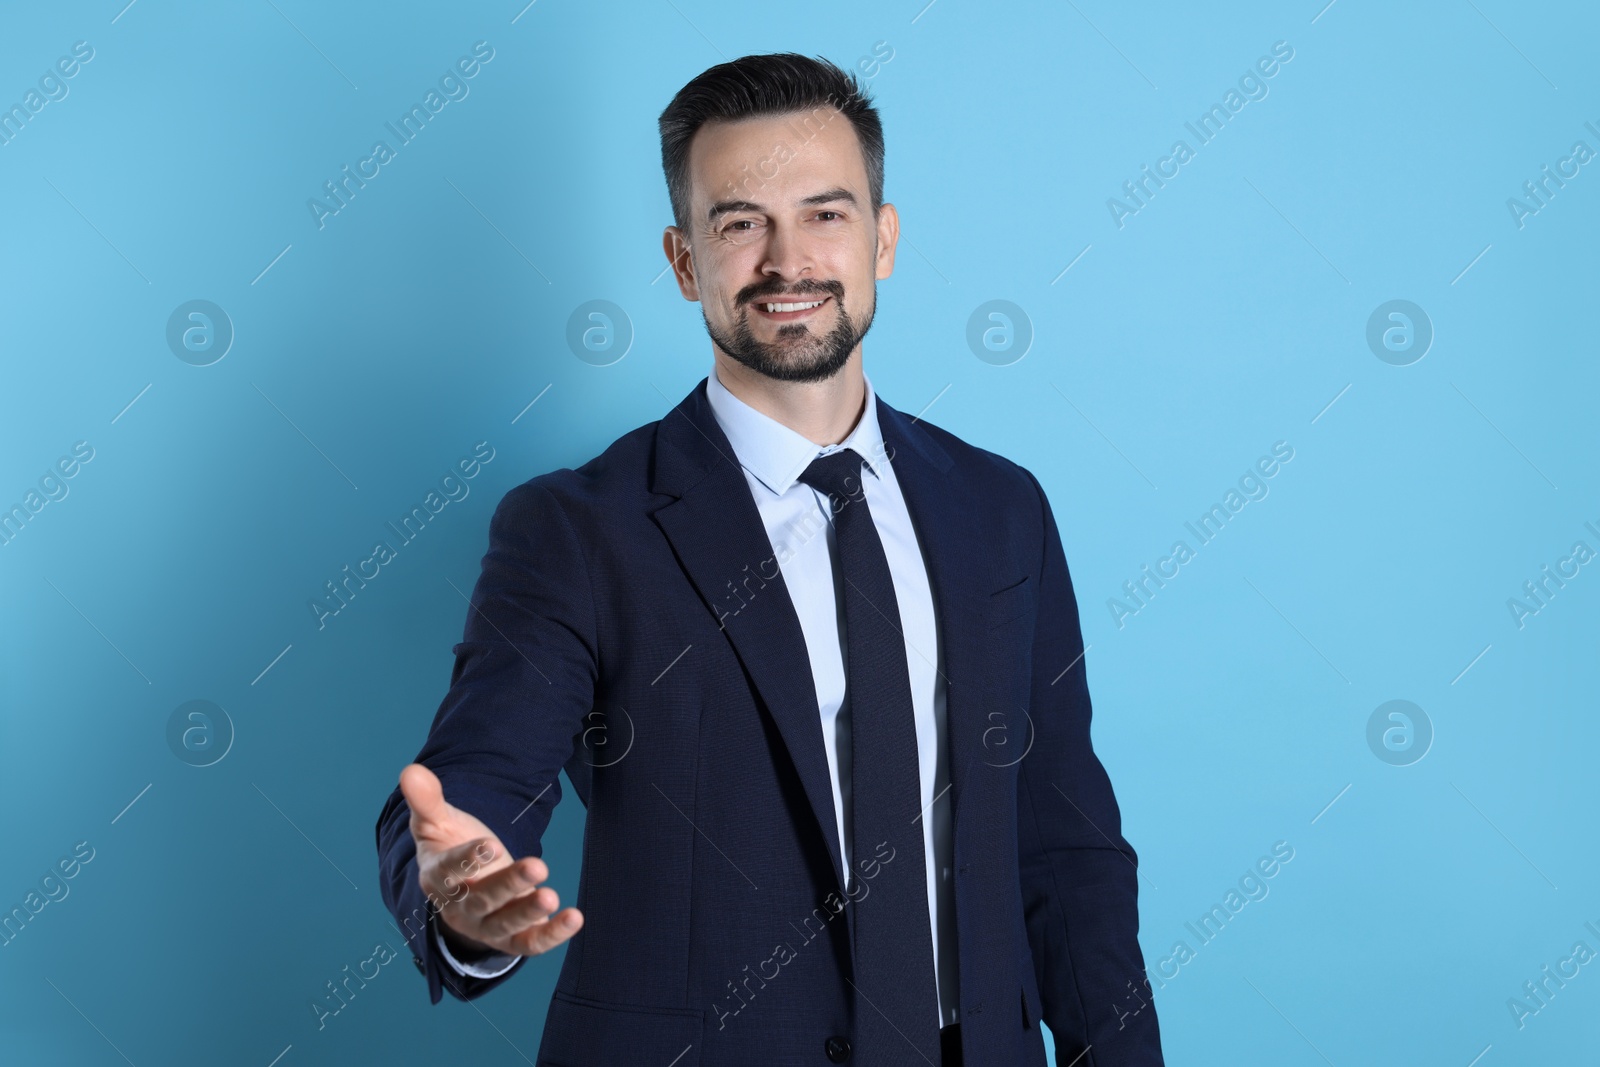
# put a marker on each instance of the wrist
(463, 947)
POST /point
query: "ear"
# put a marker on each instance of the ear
(676, 246)
(888, 238)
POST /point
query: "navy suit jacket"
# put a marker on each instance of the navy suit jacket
(631, 626)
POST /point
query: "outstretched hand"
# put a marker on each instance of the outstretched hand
(490, 902)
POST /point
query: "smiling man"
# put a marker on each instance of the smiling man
(813, 667)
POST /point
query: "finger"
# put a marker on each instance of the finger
(498, 926)
(473, 858)
(424, 796)
(494, 891)
(543, 936)
(518, 915)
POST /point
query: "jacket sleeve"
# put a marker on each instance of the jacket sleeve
(1080, 882)
(523, 680)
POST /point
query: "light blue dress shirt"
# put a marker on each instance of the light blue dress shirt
(799, 523)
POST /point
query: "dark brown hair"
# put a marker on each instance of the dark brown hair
(775, 84)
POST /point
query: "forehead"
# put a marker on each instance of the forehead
(776, 157)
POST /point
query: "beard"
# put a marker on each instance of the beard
(799, 354)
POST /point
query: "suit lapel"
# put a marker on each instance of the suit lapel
(716, 530)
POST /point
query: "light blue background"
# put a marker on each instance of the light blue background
(1226, 315)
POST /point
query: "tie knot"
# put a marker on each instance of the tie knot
(838, 474)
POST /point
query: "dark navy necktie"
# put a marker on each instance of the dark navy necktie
(897, 1013)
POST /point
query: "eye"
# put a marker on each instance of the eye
(834, 213)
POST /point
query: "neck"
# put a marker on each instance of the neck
(822, 412)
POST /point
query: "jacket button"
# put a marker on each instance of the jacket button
(838, 1049)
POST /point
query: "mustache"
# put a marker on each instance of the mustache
(800, 289)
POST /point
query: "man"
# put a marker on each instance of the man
(813, 666)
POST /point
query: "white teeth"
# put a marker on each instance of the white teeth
(792, 307)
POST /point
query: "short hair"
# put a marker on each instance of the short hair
(758, 85)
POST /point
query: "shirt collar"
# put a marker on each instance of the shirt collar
(777, 455)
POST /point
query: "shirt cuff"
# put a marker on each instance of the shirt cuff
(491, 967)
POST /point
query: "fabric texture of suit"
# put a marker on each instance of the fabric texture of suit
(631, 626)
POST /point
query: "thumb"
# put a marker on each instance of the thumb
(424, 795)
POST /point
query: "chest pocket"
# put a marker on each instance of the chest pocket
(1010, 603)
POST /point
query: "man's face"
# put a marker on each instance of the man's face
(779, 213)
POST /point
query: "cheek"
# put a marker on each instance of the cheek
(859, 269)
(859, 286)
(727, 301)
(720, 276)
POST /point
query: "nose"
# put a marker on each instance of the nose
(787, 255)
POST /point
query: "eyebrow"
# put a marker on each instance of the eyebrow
(831, 196)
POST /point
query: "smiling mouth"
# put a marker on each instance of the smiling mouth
(788, 310)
